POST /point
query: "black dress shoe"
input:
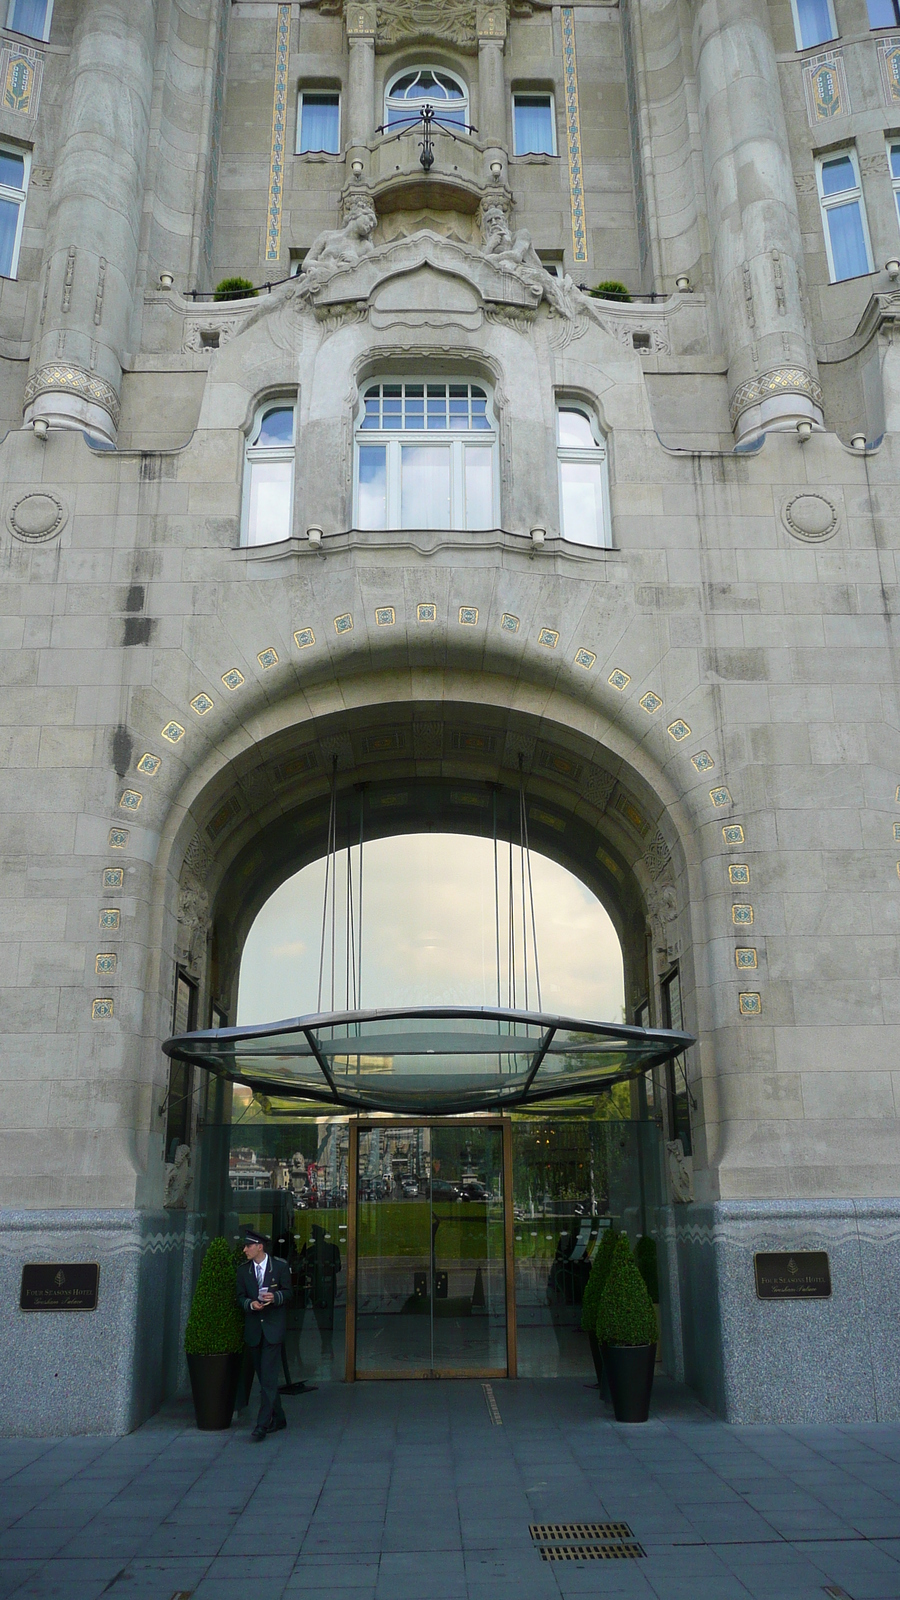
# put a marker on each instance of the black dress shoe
(257, 1435)
(276, 1425)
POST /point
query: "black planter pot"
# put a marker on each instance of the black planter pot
(629, 1368)
(597, 1357)
(214, 1381)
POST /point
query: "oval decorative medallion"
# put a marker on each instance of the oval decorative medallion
(36, 516)
(811, 517)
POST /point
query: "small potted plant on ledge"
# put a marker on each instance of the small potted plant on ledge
(214, 1338)
(591, 1300)
(627, 1333)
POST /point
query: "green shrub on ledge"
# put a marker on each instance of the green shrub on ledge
(235, 289)
(625, 1314)
(215, 1326)
(610, 290)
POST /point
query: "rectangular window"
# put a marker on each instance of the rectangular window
(813, 22)
(843, 217)
(14, 165)
(31, 17)
(372, 486)
(884, 13)
(436, 470)
(319, 122)
(679, 1106)
(424, 486)
(534, 130)
(894, 163)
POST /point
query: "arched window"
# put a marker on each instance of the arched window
(420, 86)
(583, 496)
(425, 456)
(269, 475)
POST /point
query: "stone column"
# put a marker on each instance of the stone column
(96, 201)
(753, 220)
(492, 118)
(361, 118)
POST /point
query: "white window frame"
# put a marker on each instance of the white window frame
(312, 88)
(20, 197)
(894, 144)
(462, 106)
(10, 14)
(254, 452)
(815, 44)
(394, 439)
(876, 27)
(833, 201)
(534, 94)
(600, 454)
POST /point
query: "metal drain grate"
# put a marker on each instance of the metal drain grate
(590, 1552)
(580, 1530)
(493, 1408)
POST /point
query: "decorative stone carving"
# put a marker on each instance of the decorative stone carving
(681, 1172)
(662, 914)
(197, 334)
(781, 380)
(657, 856)
(516, 253)
(338, 247)
(74, 381)
(810, 517)
(179, 1178)
(193, 921)
(401, 21)
(36, 517)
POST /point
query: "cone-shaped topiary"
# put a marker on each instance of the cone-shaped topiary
(235, 289)
(645, 1256)
(625, 1314)
(599, 1272)
(215, 1326)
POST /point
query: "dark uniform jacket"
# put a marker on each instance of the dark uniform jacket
(271, 1323)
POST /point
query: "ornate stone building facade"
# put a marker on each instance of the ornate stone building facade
(426, 505)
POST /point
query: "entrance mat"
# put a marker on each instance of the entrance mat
(580, 1530)
(591, 1552)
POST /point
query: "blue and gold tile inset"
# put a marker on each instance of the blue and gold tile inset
(279, 127)
(202, 703)
(573, 135)
(173, 731)
(303, 638)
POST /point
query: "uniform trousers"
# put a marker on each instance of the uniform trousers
(267, 1366)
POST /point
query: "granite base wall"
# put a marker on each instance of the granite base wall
(762, 1361)
(102, 1371)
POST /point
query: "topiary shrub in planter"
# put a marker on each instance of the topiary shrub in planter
(235, 289)
(627, 1332)
(646, 1262)
(610, 290)
(214, 1338)
(591, 1300)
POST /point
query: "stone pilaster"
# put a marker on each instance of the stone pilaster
(361, 22)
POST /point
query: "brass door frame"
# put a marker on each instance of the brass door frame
(358, 1124)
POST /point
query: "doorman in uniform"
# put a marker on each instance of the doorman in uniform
(263, 1291)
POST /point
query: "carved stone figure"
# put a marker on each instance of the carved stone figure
(179, 1178)
(681, 1172)
(516, 253)
(339, 247)
(662, 911)
(193, 920)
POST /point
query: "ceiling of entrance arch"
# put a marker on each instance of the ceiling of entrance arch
(426, 1060)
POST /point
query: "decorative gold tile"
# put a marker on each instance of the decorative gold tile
(343, 623)
(744, 958)
(721, 797)
(549, 638)
(385, 616)
(101, 1010)
(897, 832)
(742, 916)
(585, 658)
(733, 833)
(118, 838)
(173, 731)
(113, 877)
(750, 1005)
(130, 800)
(279, 145)
(106, 963)
(678, 730)
(897, 794)
(573, 136)
(703, 761)
(650, 702)
(149, 765)
(202, 703)
(898, 869)
(739, 873)
(558, 824)
(303, 638)
(426, 612)
(110, 919)
(509, 623)
(268, 658)
(232, 679)
(468, 616)
(618, 679)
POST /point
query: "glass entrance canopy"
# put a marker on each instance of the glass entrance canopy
(428, 1061)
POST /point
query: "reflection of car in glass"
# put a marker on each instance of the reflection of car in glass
(473, 1190)
(410, 1188)
(440, 1189)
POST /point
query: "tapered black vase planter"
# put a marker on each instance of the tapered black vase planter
(214, 1381)
(597, 1358)
(629, 1369)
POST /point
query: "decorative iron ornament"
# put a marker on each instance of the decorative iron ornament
(279, 123)
(573, 135)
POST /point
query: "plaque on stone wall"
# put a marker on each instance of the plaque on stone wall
(60, 1286)
(792, 1275)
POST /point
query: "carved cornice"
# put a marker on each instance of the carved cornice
(882, 312)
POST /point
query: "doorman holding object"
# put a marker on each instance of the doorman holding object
(263, 1291)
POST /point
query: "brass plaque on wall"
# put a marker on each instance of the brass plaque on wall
(792, 1275)
(60, 1286)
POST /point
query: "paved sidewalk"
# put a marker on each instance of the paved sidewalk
(410, 1491)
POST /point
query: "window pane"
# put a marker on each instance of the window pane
(848, 243)
(575, 431)
(533, 124)
(895, 160)
(9, 221)
(372, 497)
(582, 501)
(29, 16)
(12, 169)
(479, 488)
(838, 175)
(883, 13)
(319, 121)
(277, 427)
(424, 486)
(815, 22)
(270, 502)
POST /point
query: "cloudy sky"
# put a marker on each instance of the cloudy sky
(429, 935)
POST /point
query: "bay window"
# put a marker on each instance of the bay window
(425, 456)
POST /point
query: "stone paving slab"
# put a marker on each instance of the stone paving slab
(408, 1491)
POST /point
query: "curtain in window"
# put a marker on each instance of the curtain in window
(29, 16)
(848, 241)
(815, 22)
(581, 484)
(270, 501)
(319, 123)
(534, 128)
(9, 222)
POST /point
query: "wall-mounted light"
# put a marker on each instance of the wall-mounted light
(41, 428)
(683, 283)
(166, 280)
(804, 429)
(858, 441)
(356, 167)
(314, 535)
(496, 170)
(892, 268)
(538, 535)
